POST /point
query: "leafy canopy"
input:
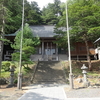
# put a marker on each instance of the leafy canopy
(51, 12)
(84, 19)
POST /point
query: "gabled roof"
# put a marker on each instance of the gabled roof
(43, 31)
(40, 31)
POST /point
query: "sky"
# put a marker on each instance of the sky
(42, 3)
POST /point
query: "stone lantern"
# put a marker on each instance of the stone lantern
(12, 69)
(85, 81)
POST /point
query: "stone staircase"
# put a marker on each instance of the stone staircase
(49, 72)
(60, 57)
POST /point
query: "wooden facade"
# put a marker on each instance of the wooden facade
(48, 50)
(80, 52)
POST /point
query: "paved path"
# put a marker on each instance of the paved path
(45, 92)
(50, 92)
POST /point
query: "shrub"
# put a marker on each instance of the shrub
(13, 66)
(27, 69)
(15, 81)
(3, 81)
(6, 66)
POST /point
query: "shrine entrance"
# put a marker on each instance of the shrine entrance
(49, 50)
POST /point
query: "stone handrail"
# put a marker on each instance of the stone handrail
(34, 71)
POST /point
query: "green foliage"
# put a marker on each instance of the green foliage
(32, 13)
(6, 66)
(28, 44)
(29, 50)
(28, 39)
(26, 72)
(84, 19)
(27, 69)
(13, 15)
(15, 56)
(12, 12)
(61, 37)
(60, 29)
(15, 81)
(51, 12)
(12, 66)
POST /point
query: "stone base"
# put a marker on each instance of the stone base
(9, 86)
(86, 84)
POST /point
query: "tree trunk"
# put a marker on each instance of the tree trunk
(88, 55)
(1, 37)
(1, 52)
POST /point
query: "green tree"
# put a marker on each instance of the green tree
(3, 15)
(84, 21)
(61, 37)
(51, 12)
(60, 29)
(14, 15)
(32, 13)
(57, 8)
(13, 20)
(28, 45)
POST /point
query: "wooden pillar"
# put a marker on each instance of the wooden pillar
(47, 51)
(56, 53)
(42, 49)
(51, 49)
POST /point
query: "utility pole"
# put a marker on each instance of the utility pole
(69, 51)
(19, 85)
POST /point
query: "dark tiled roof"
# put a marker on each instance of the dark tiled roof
(40, 31)
(43, 31)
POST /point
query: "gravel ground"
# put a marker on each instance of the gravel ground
(10, 93)
(83, 93)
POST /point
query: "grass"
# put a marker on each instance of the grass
(76, 69)
(27, 73)
(5, 74)
(94, 74)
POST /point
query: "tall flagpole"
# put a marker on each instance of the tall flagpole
(69, 51)
(19, 85)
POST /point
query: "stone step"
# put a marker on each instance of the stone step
(49, 71)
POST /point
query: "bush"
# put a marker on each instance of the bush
(27, 69)
(6, 66)
(12, 66)
(15, 81)
(3, 81)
